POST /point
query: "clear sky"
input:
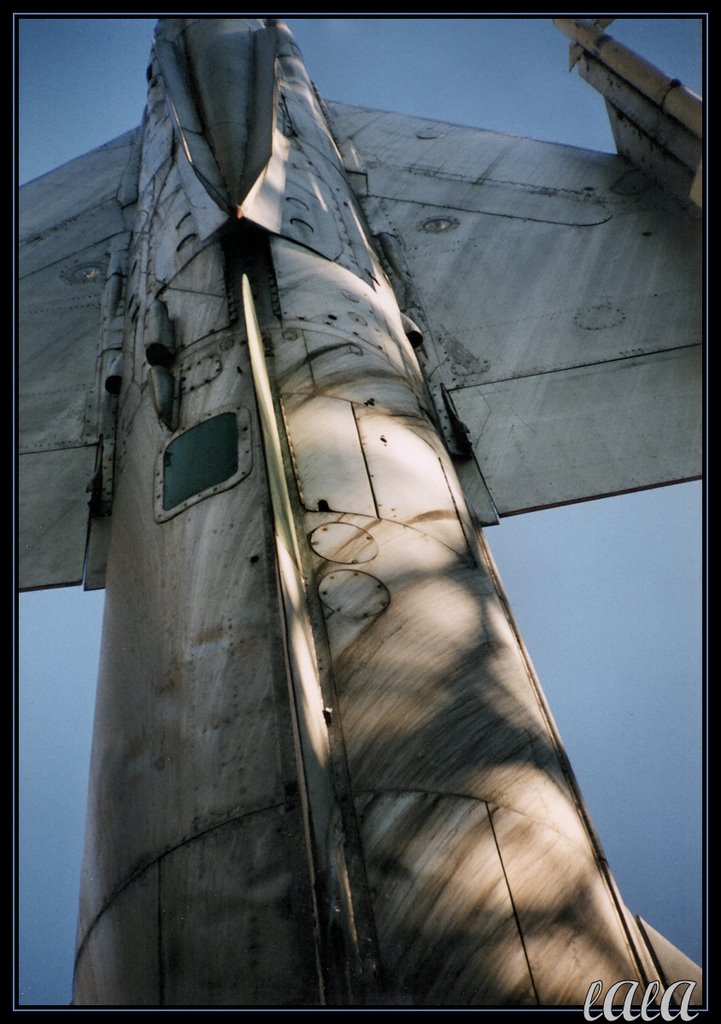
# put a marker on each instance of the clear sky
(607, 593)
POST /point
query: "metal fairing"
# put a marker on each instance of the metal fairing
(323, 769)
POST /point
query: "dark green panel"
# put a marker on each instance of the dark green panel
(200, 458)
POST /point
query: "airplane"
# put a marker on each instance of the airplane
(169, 411)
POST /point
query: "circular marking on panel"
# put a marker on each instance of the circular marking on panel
(196, 373)
(349, 295)
(437, 225)
(343, 542)
(356, 595)
(598, 318)
(88, 273)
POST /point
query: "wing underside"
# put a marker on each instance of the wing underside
(558, 293)
(70, 225)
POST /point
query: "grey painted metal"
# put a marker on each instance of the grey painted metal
(330, 467)
(425, 722)
(194, 804)
(67, 221)
(96, 553)
(193, 773)
(323, 770)
(591, 430)
(52, 530)
(547, 306)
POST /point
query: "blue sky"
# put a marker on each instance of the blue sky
(607, 594)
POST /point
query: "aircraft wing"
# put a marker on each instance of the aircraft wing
(553, 295)
(558, 295)
(72, 235)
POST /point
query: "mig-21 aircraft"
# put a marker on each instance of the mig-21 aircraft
(271, 334)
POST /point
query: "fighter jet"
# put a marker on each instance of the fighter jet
(324, 772)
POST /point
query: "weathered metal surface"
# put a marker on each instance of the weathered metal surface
(363, 368)
(68, 223)
(58, 205)
(322, 765)
(96, 553)
(492, 196)
(119, 952)
(344, 957)
(515, 313)
(211, 680)
(645, 78)
(226, 932)
(233, 69)
(438, 149)
(437, 878)
(308, 201)
(343, 542)
(653, 161)
(202, 936)
(504, 232)
(400, 453)
(353, 594)
(53, 528)
(195, 298)
(298, 633)
(326, 453)
(588, 431)
(194, 146)
(60, 333)
(679, 144)
(455, 711)
(501, 749)
(532, 853)
(162, 390)
(194, 774)
(672, 965)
